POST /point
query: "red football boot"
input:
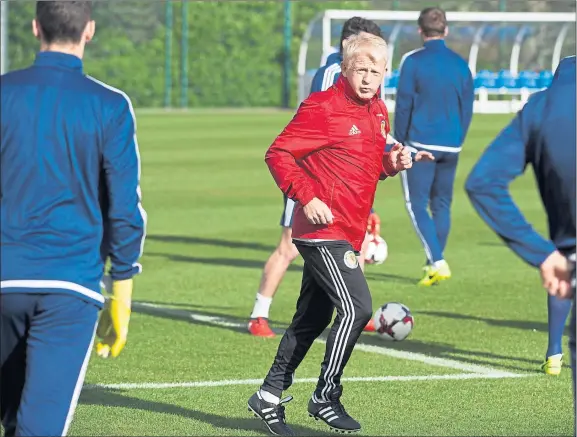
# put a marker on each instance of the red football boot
(259, 328)
(370, 326)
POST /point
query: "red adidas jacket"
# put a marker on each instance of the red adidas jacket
(333, 149)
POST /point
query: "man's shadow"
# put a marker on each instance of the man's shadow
(446, 350)
(211, 242)
(237, 324)
(256, 264)
(228, 262)
(518, 324)
(118, 398)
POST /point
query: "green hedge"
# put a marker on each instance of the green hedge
(235, 48)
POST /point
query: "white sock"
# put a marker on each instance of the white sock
(269, 397)
(439, 264)
(261, 306)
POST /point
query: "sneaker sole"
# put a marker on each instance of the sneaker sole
(332, 428)
(551, 372)
(272, 335)
(255, 414)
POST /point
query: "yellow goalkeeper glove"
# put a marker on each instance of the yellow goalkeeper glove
(113, 323)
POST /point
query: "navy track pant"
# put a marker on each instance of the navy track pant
(46, 340)
(428, 186)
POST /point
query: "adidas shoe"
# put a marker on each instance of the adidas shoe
(271, 414)
(370, 327)
(333, 413)
(434, 274)
(259, 327)
(552, 366)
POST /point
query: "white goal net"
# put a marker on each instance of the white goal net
(511, 54)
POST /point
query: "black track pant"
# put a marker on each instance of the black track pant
(331, 279)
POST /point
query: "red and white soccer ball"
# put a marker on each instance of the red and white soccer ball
(377, 250)
(393, 321)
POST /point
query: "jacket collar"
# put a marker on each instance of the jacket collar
(58, 59)
(334, 58)
(343, 85)
(435, 44)
(565, 72)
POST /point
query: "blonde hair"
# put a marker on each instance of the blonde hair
(364, 44)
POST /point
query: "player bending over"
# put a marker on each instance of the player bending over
(286, 252)
(434, 109)
(333, 177)
(69, 162)
(542, 135)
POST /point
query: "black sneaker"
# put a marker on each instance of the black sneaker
(333, 413)
(271, 414)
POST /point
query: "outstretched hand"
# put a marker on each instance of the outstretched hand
(556, 276)
(400, 157)
(424, 156)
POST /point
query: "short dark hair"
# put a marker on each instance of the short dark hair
(63, 21)
(356, 25)
(432, 22)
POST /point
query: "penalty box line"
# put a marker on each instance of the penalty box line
(220, 321)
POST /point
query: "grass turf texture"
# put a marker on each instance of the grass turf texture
(213, 214)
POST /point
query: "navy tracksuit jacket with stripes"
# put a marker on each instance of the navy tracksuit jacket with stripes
(543, 134)
(70, 199)
(433, 111)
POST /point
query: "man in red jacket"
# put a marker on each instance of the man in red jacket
(329, 159)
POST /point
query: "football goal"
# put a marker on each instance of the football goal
(510, 54)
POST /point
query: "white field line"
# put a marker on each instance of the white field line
(257, 382)
(382, 350)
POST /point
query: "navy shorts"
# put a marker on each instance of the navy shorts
(286, 220)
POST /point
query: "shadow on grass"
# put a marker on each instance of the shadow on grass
(119, 398)
(211, 242)
(518, 324)
(434, 349)
(258, 264)
(228, 262)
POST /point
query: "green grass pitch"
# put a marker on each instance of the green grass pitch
(470, 367)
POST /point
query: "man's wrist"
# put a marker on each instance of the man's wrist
(545, 256)
(306, 197)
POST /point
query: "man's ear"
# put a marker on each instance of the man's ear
(446, 31)
(344, 69)
(89, 31)
(36, 30)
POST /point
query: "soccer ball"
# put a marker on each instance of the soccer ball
(393, 321)
(377, 250)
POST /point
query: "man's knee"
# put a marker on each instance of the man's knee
(363, 310)
(440, 204)
(286, 248)
(364, 314)
(416, 205)
(325, 316)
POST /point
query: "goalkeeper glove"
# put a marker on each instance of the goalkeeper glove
(113, 323)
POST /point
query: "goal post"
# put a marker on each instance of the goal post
(543, 35)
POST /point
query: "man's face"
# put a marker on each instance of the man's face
(365, 75)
